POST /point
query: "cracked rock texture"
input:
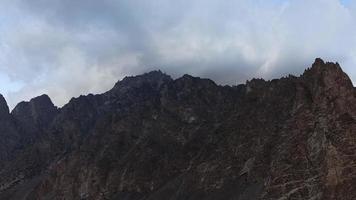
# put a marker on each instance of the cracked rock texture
(152, 137)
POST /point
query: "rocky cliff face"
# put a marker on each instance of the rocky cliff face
(152, 137)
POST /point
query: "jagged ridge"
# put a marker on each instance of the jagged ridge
(152, 137)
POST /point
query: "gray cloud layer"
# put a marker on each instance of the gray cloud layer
(65, 48)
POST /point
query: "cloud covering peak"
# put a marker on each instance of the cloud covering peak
(66, 48)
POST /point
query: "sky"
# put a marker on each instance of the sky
(66, 48)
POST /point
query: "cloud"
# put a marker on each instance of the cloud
(66, 48)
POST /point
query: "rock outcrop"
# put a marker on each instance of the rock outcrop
(152, 137)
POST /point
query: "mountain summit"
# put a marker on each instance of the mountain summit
(152, 137)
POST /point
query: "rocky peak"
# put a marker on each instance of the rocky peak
(256, 83)
(4, 109)
(327, 78)
(318, 62)
(192, 82)
(329, 72)
(137, 89)
(154, 79)
(39, 110)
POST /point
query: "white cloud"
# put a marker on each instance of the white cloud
(66, 48)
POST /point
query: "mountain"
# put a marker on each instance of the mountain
(152, 137)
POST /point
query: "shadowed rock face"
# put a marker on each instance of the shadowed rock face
(152, 137)
(35, 115)
(40, 111)
(8, 135)
(4, 109)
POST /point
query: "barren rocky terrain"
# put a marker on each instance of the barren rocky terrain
(151, 137)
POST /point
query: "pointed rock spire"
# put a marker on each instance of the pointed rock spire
(4, 108)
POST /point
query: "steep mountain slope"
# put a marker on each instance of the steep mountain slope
(152, 137)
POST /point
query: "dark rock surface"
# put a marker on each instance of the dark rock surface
(152, 137)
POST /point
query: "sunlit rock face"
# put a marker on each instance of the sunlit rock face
(152, 137)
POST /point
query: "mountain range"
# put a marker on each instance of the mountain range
(152, 137)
